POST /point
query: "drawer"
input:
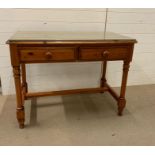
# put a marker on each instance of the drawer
(48, 54)
(102, 53)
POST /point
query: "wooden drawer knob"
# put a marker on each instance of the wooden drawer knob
(105, 54)
(48, 55)
(30, 53)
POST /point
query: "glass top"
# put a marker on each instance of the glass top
(64, 36)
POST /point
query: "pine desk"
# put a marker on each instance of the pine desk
(55, 47)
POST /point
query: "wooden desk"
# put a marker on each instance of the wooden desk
(55, 47)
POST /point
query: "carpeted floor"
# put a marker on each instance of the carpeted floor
(88, 119)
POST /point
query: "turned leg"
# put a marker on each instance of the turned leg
(121, 100)
(20, 106)
(24, 83)
(103, 78)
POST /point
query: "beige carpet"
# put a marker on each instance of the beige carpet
(88, 119)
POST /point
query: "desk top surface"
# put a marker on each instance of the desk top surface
(46, 36)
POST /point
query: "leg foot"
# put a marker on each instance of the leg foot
(102, 92)
(121, 106)
(21, 126)
(21, 117)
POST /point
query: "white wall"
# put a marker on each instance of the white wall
(138, 23)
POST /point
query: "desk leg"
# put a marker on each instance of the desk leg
(121, 100)
(20, 106)
(103, 78)
(24, 83)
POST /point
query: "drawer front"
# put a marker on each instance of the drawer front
(108, 53)
(48, 54)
